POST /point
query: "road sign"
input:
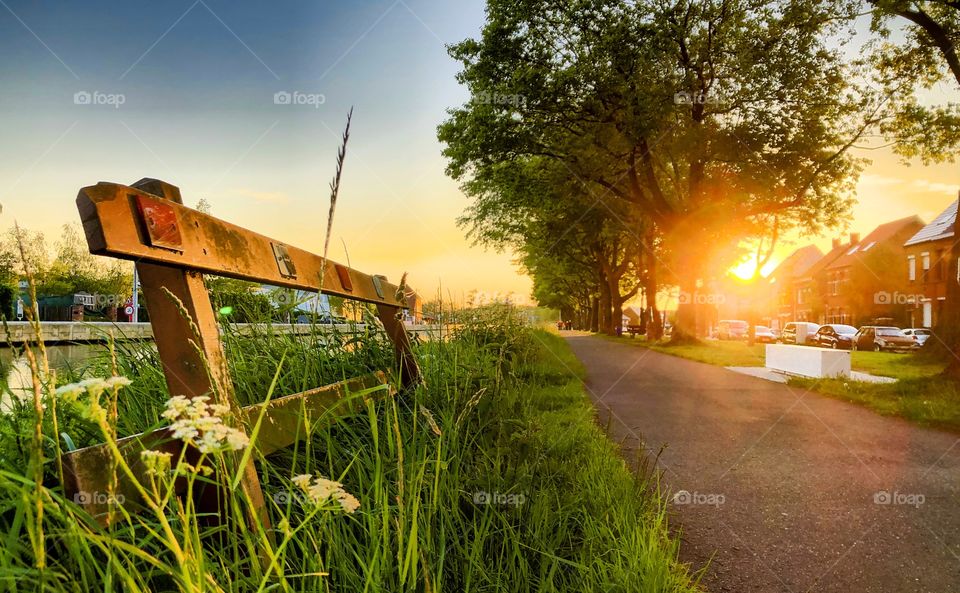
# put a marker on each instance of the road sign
(128, 311)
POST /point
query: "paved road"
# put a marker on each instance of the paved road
(786, 490)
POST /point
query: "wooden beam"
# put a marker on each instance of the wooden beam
(188, 340)
(409, 369)
(284, 423)
(133, 223)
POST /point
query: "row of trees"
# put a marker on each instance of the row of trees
(63, 266)
(643, 143)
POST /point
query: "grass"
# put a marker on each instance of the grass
(491, 477)
(919, 394)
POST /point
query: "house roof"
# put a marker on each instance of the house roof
(830, 257)
(880, 235)
(940, 228)
(796, 264)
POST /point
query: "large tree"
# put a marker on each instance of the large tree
(695, 114)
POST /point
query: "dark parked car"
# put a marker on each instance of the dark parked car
(836, 336)
(792, 329)
(879, 338)
(732, 329)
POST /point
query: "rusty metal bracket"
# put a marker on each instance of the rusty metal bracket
(284, 262)
(161, 223)
(344, 274)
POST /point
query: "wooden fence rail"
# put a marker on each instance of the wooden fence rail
(173, 246)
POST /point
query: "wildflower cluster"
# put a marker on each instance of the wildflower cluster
(155, 462)
(200, 423)
(320, 490)
(94, 387)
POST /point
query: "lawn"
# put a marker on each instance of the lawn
(918, 395)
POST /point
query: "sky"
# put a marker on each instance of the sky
(187, 91)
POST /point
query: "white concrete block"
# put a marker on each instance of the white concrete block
(807, 361)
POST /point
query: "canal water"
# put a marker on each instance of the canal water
(16, 369)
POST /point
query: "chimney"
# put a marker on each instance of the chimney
(854, 238)
(836, 242)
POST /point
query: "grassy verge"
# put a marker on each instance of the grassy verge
(918, 395)
(492, 477)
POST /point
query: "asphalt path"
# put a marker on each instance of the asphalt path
(778, 489)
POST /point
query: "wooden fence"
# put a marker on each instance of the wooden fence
(173, 246)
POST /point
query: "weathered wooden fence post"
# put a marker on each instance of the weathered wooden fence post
(173, 246)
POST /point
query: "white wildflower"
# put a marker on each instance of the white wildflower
(321, 490)
(198, 423)
(302, 481)
(113, 382)
(94, 386)
(155, 462)
(73, 390)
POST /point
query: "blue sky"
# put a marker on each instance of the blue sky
(198, 80)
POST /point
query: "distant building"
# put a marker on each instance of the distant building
(927, 255)
(810, 285)
(413, 314)
(780, 284)
(866, 281)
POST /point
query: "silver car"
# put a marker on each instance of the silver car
(921, 334)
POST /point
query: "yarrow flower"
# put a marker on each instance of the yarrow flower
(94, 386)
(156, 462)
(320, 490)
(199, 423)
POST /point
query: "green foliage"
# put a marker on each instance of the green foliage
(238, 300)
(915, 56)
(9, 292)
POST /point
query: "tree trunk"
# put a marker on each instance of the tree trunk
(605, 304)
(654, 328)
(595, 314)
(685, 328)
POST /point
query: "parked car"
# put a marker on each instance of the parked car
(836, 336)
(880, 337)
(732, 329)
(921, 333)
(790, 332)
(764, 334)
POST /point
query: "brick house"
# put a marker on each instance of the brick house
(927, 255)
(866, 282)
(810, 286)
(781, 283)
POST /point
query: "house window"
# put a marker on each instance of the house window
(912, 268)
